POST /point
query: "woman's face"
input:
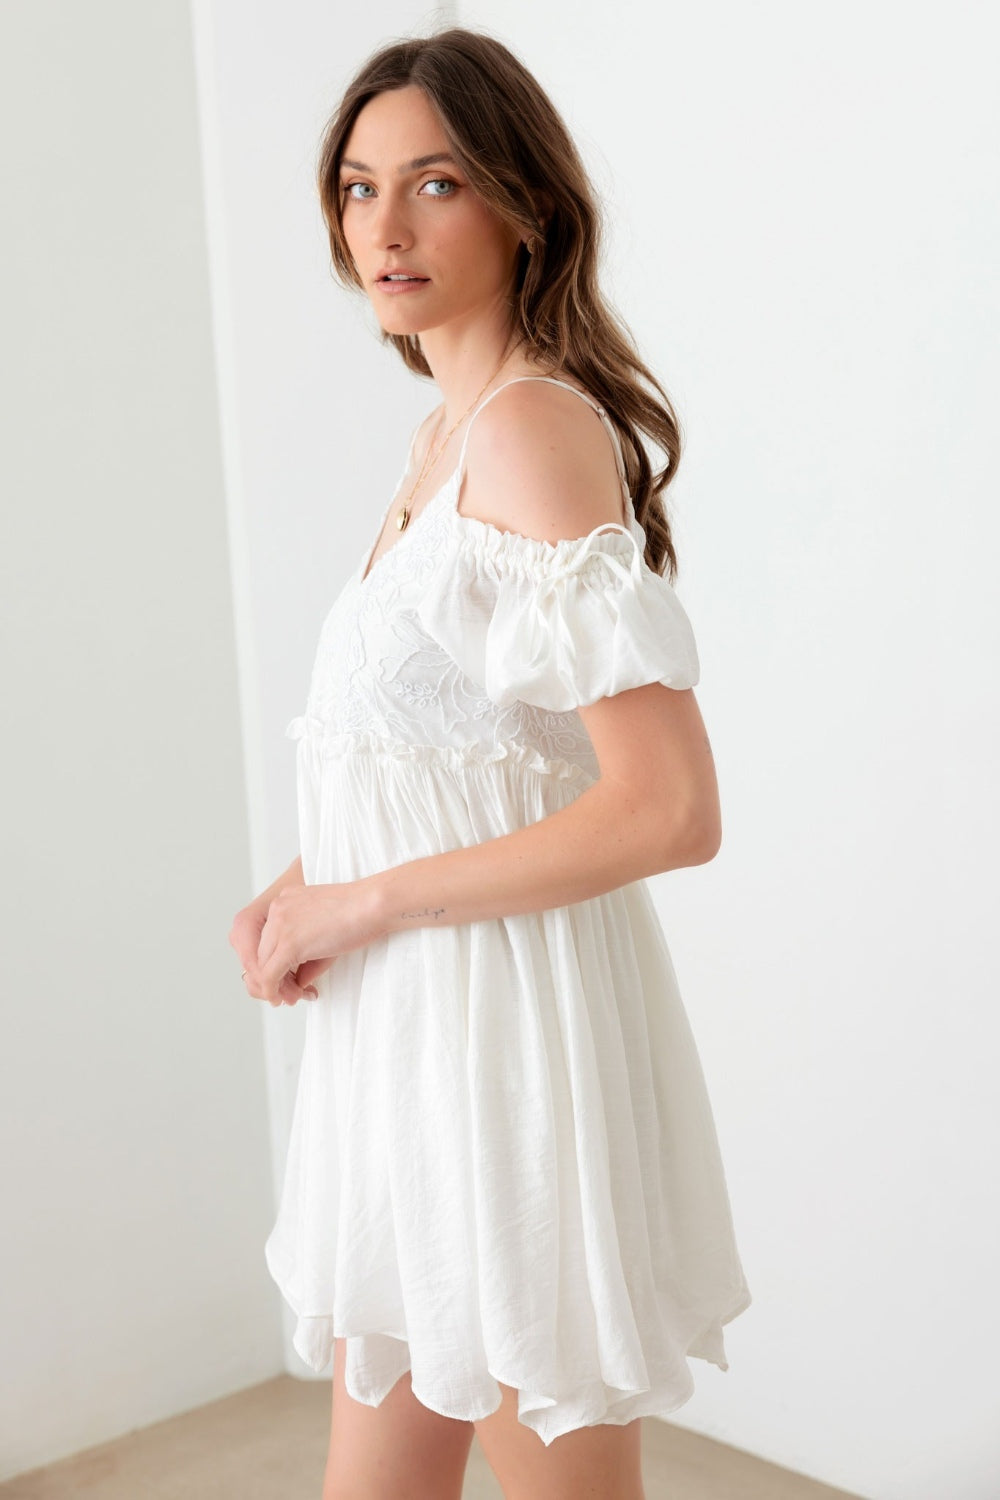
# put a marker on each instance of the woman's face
(406, 205)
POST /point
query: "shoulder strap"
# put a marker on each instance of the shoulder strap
(551, 380)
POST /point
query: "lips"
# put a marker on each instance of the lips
(402, 288)
(400, 271)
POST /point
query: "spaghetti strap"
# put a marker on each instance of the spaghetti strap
(551, 380)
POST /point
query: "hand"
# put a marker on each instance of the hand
(307, 927)
(244, 937)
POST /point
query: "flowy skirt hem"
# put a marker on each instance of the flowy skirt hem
(379, 1357)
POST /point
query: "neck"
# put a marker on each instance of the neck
(462, 358)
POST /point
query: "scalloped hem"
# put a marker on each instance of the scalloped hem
(549, 1416)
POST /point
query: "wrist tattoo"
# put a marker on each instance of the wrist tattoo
(428, 911)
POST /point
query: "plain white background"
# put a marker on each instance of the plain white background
(134, 1139)
(802, 234)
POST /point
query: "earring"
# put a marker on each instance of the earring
(529, 245)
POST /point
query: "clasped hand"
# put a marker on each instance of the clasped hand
(302, 931)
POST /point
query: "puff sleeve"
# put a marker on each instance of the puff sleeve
(556, 625)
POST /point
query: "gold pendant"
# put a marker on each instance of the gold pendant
(402, 518)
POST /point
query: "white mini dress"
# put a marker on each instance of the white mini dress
(503, 1164)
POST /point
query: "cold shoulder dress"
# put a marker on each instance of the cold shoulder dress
(503, 1163)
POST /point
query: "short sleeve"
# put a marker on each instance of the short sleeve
(556, 625)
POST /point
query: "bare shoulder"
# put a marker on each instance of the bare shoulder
(540, 462)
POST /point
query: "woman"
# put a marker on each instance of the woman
(504, 1209)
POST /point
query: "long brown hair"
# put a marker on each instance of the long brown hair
(521, 159)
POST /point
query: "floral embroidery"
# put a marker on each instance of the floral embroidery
(379, 679)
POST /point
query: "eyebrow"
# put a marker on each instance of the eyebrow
(416, 165)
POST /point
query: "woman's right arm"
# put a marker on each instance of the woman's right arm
(244, 937)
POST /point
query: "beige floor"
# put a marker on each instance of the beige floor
(269, 1443)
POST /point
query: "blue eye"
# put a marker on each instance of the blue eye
(445, 182)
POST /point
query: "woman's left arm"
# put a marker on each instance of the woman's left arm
(655, 807)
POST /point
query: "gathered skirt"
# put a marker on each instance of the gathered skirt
(503, 1164)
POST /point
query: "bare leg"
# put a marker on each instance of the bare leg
(590, 1463)
(400, 1450)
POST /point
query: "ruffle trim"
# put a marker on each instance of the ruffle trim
(339, 744)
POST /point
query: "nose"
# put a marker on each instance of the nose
(391, 227)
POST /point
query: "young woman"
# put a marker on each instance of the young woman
(504, 1209)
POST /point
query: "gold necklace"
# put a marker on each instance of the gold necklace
(403, 516)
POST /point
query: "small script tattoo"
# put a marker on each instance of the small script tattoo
(428, 911)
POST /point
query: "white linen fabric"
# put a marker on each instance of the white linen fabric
(503, 1163)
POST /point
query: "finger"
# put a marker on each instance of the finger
(291, 990)
(270, 976)
(307, 973)
(251, 980)
(266, 945)
(270, 967)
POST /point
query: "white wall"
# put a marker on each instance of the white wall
(804, 228)
(135, 1151)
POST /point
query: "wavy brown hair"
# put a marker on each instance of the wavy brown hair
(520, 158)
